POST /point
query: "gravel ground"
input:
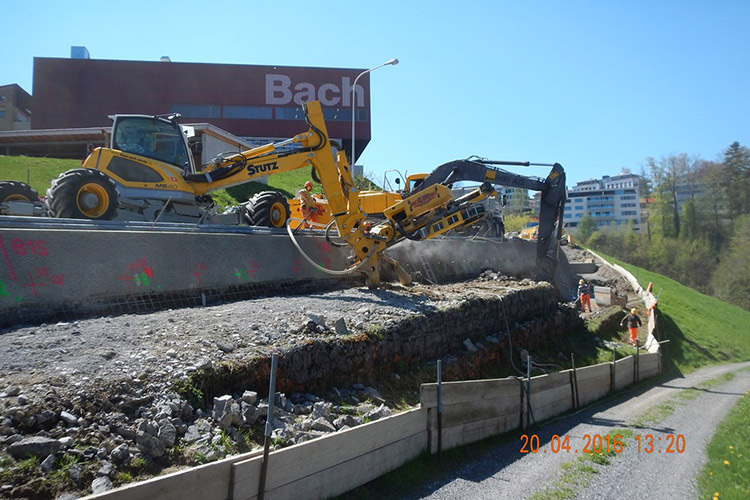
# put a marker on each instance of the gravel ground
(506, 473)
(173, 343)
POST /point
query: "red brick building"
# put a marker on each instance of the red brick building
(245, 100)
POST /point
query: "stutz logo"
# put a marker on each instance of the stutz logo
(423, 200)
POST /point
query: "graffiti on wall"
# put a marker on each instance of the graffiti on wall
(36, 279)
(138, 274)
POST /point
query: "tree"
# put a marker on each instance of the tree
(518, 201)
(690, 221)
(737, 179)
(516, 223)
(674, 175)
(586, 228)
(731, 281)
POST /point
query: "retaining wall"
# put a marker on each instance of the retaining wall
(78, 268)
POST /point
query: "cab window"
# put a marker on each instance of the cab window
(152, 138)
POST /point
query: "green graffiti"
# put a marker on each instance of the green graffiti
(141, 279)
(2, 290)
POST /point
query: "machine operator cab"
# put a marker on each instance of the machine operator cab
(158, 137)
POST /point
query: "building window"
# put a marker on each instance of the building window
(2, 113)
(197, 110)
(248, 112)
(289, 113)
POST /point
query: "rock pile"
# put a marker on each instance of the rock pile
(135, 430)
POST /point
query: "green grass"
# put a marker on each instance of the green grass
(287, 183)
(727, 471)
(37, 172)
(701, 330)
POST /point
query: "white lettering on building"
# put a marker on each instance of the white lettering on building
(280, 92)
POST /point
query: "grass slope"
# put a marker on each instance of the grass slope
(701, 330)
(37, 172)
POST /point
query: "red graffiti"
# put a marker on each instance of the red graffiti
(7, 260)
(137, 272)
(45, 278)
(22, 247)
(199, 270)
(324, 247)
(252, 267)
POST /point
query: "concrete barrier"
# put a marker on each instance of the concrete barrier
(59, 269)
(81, 268)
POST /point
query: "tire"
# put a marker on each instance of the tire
(268, 208)
(82, 193)
(17, 191)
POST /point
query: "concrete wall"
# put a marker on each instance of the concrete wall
(84, 268)
(63, 269)
(451, 259)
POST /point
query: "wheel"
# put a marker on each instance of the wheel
(17, 191)
(268, 208)
(82, 193)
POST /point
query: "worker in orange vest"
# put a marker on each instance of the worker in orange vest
(584, 295)
(307, 203)
(633, 322)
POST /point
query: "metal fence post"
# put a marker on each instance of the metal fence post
(613, 371)
(269, 428)
(440, 406)
(528, 391)
(574, 376)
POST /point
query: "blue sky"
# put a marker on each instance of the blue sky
(594, 85)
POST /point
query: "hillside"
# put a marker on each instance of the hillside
(701, 330)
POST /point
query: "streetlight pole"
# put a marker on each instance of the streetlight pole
(392, 62)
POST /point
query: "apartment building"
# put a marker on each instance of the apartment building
(611, 201)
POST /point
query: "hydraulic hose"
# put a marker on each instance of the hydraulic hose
(334, 272)
(328, 238)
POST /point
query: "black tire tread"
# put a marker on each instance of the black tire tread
(10, 188)
(257, 211)
(61, 195)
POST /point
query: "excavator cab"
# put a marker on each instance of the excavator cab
(157, 137)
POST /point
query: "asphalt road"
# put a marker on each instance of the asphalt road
(504, 472)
